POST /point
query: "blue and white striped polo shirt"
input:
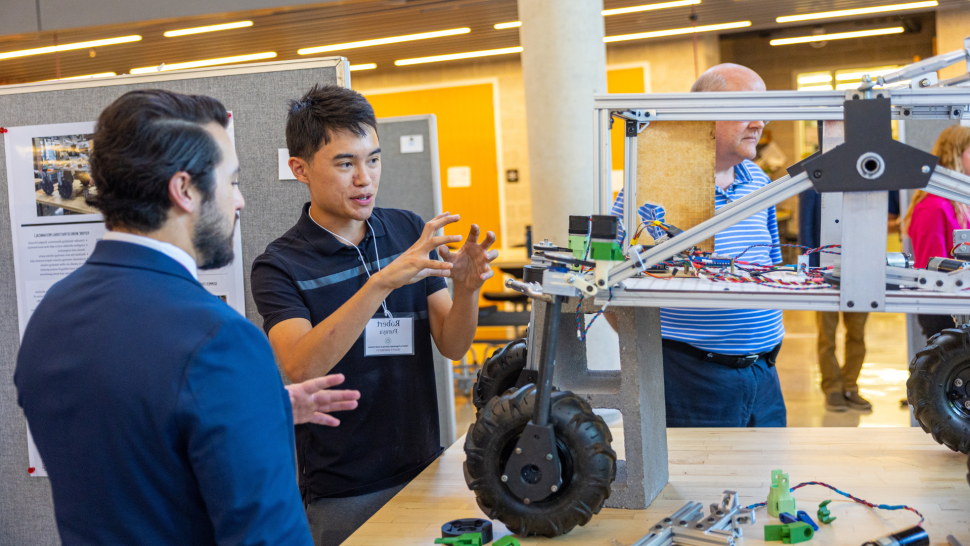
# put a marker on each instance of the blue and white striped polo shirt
(728, 331)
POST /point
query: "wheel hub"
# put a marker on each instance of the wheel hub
(958, 390)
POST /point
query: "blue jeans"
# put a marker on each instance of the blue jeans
(705, 394)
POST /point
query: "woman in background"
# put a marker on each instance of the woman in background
(930, 220)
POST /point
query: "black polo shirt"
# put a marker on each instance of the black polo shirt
(393, 434)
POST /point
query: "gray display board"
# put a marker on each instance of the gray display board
(257, 95)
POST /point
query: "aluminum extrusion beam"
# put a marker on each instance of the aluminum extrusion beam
(925, 66)
(781, 105)
(780, 190)
(949, 185)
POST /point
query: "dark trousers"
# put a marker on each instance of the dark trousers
(934, 324)
(705, 394)
(332, 521)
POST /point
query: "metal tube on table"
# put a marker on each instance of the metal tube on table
(544, 385)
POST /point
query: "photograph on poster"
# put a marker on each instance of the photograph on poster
(62, 174)
(54, 230)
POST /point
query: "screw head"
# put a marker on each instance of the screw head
(924, 82)
(527, 501)
(906, 112)
(958, 382)
(850, 304)
(570, 279)
(518, 451)
(939, 283)
(922, 281)
(874, 305)
(925, 169)
(554, 488)
(548, 456)
(505, 478)
(967, 404)
(817, 173)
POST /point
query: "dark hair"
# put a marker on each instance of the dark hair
(322, 112)
(141, 141)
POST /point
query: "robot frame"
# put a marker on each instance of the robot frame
(540, 460)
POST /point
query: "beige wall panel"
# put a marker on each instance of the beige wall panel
(952, 26)
(675, 168)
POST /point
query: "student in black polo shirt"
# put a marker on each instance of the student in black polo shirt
(357, 290)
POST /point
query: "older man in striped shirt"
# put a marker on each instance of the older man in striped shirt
(719, 363)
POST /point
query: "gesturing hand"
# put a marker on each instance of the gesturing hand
(469, 265)
(312, 402)
(414, 264)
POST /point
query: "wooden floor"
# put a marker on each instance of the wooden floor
(882, 382)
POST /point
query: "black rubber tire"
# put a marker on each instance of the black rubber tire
(968, 471)
(66, 185)
(499, 373)
(931, 373)
(588, 463)
(47, 184)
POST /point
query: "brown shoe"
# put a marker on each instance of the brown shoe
(835, 401)
(856, 402)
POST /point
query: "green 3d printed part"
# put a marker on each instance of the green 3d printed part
(507, 541)
(779, 497)
(824, 516)
(793, 533)
(468, 539)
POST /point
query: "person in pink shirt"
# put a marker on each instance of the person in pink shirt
(930, 220)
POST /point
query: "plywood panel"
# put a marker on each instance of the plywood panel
(675, 169)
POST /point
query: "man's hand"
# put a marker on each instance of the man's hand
(414, 264)
(469, 266)
(312, 402)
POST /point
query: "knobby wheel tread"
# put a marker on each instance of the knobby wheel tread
(499, 373)
(583, 438)
(926, 388)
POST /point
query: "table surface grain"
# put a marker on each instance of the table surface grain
(882, 465)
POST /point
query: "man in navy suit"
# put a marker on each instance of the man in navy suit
(159, 410)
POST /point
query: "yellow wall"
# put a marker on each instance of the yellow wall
(466, 138)
(622, 80)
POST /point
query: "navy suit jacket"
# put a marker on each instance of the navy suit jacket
(158, 410)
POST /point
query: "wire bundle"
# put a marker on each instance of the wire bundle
(854, 498)
(580, 331)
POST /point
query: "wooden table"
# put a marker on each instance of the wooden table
(881, 465)
(75, 203)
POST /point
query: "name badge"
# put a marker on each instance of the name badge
(389, 336)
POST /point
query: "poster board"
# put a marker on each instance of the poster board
(675, 168)
(257, 94)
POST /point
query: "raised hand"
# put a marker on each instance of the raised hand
(313, 402)
(469, 265)
(414, 264)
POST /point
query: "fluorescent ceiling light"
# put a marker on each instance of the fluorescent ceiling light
(858, 11)
(859, 74)
(510, 24)
(815, 87)
(384, 41)
(207, 62)
(676, 31)
(837, 36)
(69, 47)
(455, 56)
(210, 28)
(365, 66)
(649, 7)
(99, 75)
(821, 78)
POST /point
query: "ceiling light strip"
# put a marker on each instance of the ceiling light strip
(456, 56)
(363, 66)
(510, 24)
(207, 62)
(384, 41)
(650, 7)
(69, 47)
(99, 75)
(857, 11)
(210, 28)
(676, 31)
(837, 36)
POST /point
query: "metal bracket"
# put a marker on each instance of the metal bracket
(532, 472)
(688, 526)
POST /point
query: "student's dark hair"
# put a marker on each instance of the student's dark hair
(140, 142)
(323, 111)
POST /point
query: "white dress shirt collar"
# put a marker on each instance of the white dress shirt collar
(167, 249)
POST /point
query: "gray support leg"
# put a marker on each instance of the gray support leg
(637, 390)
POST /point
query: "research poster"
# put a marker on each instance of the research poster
(54, 229)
